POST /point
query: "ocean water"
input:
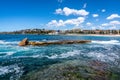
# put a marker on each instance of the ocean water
(15, 61)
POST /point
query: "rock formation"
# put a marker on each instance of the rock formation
(24, 42)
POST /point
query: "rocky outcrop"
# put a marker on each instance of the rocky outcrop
(60, 42)
(24, 42)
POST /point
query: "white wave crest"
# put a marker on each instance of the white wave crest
(65, 55)
(44, 40)
(116, 42)
(7, 53)
(54, 56)
(31, 56)
(5, 42)
(10, 53)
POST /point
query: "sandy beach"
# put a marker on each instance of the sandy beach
(106, 35)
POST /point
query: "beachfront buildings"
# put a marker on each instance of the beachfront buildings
(78, 31)
(56, 32)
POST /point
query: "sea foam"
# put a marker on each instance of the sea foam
(65, 55)
(115, 42)
(9, 69)
(2, 42)
(8, 42)
(106, 57)
(10, 53)
(7, 53)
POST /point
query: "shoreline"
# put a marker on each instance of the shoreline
(104, 35)
(108, 35)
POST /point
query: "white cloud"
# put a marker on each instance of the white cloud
(60, 1)
(111, 23)
(103, 10)
(85, 5)
(105, 24)
(55, 23)
(115, 22)
(113, 16)
(58, 11)
(95, 15)
(89, 24)
(75, 22)
(67, 11)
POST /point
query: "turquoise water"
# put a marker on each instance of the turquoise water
(15, 61)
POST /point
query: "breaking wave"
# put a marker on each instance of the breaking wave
(92, 54)
(5, 42)
(65, 55)
(115, 42)
(54, 56)
(5, 54)
(31, 56)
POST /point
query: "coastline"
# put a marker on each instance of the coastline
(73, 62)
(104, 35)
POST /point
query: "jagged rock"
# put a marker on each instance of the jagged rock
(24, 42)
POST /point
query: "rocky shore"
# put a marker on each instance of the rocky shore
(25, 42)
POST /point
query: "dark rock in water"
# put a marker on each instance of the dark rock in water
(24, 42)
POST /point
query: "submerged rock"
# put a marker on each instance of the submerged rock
(73, 70)
(24, 42)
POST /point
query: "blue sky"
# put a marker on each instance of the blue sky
(59, 14)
